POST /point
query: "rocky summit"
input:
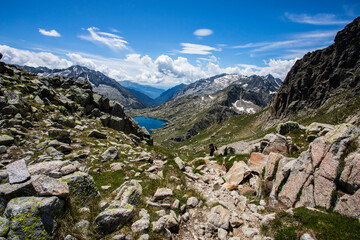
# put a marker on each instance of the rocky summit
(74, 165)
(326, 76)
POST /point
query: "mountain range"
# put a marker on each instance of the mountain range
(196, 107)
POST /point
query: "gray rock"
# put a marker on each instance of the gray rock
(235, 220)
(176, 204)
(162, 193)
(180, 163)
(185, 217)
(306, 236)
(250, 232)
(6, 140)
(96, 134)
(2, 149)
(277, 144)
(129, 193)
(83, 227)
(219, 217)
(68, 169)
(33, 217)
(69, 237)
(144, 237)
(4, 226)
(143, 223)
(59, 134)
(17, 172)
(267, 219)
(110, 154)
(119, 237)
(82, 187)
(116, 166)
(192, 201)
(284, 128)
(53, 152)
(103, 204)
(9, 191)
(222, 234)
(111, 219)
(47, 186)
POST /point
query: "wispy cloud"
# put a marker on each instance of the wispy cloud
(251, 45)
(51, 33)
(294, 47)
(191, 48)
(318, 19)
(203, 32)
(111, 40)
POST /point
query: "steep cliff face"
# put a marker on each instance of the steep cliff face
(321, 75)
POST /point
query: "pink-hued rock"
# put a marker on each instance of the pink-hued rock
(47, 186)
(257, 162)
(236, 174)
(270, 164)
(349, 205)
(350, 177)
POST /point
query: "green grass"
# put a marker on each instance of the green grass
(330, 115)
(229, 160)
(323, 225)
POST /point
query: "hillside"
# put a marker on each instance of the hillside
(102, 84)
(190, 115)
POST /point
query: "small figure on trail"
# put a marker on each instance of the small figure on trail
(212, 149)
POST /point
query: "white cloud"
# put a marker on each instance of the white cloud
(51, 33)
(77, 59)
(203, 32)
(111, 40)
(32, 59)
(191, 48)
(318, 19)
(164, 71)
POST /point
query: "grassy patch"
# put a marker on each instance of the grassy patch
(321, 224)
(229, 160)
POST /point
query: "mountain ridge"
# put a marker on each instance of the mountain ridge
(103, 84)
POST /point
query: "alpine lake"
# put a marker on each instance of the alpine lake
(149, 123)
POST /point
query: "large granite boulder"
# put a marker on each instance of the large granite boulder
(220, 217)
(236, 174)
(33, 217)
(313, 177)
(120, 211)
(81, 186)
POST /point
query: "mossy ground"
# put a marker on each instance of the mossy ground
(321, 225)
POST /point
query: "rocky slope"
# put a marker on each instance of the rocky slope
(321, 76)
(189, 115)
(102, 84)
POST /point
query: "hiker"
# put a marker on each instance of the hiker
(212, 149)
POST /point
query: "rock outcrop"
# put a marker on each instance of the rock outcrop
(321, 75)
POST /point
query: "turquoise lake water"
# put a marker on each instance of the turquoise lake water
(149, 123)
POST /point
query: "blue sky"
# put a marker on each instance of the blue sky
(164, 43)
